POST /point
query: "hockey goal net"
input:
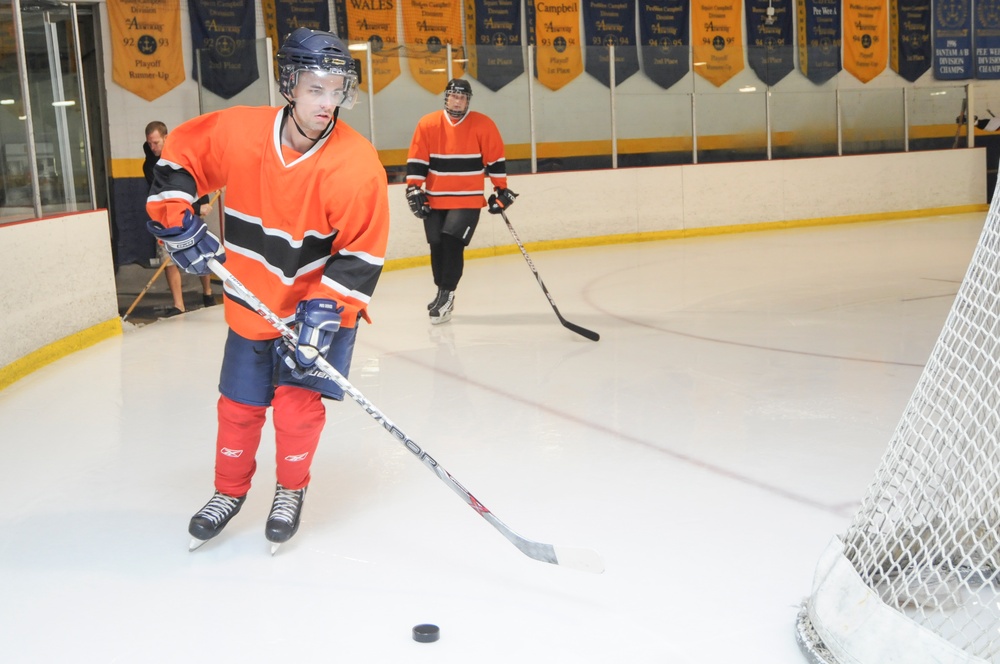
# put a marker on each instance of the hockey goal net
(915, 576)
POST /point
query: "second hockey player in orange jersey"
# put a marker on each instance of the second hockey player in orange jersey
(450, 154)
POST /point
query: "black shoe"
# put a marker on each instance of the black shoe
(208, 300)
(172, 311)
(437, 299)
(213, 517)
(283, 522)
(441, 313)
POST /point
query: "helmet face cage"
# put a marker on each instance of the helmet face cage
(458, 86)
(320, 52)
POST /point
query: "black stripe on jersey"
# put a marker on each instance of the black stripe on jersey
(497, 169)
(457, 165)
(276, 250)
(167, 178)
(416, 169)
(353, 273)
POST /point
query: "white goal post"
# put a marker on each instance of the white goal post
(916, 577)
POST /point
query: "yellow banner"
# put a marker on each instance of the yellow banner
(375, 23)
(428, 27)
(270, 11)
(717, 39)
(147, 57)
(558, 57)
(866, 38)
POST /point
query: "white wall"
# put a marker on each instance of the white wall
(560, 206)
(52, 295)
(58, 279)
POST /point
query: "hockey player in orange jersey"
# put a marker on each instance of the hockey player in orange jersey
(449, 155)
(306, 224)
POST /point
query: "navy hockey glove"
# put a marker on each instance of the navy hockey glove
(190, 245)
(417, 199)
(316, 322)
(501, 200)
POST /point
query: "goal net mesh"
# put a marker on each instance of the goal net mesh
(922, 553)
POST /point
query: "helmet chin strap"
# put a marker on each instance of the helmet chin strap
(323, 134)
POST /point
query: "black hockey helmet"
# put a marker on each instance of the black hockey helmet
(320, 52)
(457, 86)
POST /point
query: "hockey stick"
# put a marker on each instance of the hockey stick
(578, 558)
(582, 331)
(156, 275)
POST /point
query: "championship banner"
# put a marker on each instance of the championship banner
(223, 30)
(607, 23)
(717, 39)
(910, 37)
(770, 39)
(554, 30)
(663, 38)
(986, 35)
(147, 57)
(282, 17)
(866, 38)
(372, 21)
(493, 29)
(428, 26)
(819, 39)
(952, 30)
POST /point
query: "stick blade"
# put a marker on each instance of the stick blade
(585, 560)
(582, 331)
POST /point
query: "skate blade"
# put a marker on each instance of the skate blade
(195, 544)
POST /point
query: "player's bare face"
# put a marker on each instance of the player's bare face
(155, 140)
(316, 97)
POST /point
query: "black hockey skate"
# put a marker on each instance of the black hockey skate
(437, 299)
(283, 522)
(212, 518)
(441, 313)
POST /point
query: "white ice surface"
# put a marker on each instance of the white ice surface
(708, 446)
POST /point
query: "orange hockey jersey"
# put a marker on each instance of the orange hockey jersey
(296, 227)
(450, 159)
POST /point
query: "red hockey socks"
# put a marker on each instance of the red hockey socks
(299, 416)
(236, 445)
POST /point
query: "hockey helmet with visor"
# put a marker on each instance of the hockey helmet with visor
(321, 53)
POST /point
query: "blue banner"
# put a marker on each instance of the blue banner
(770, 39)
(819, 39)
(493, 31)
(986, 33)
(282, 17)
(910, 37)
(607, 23)
(952, 30)
(223, 31)
(664, 40)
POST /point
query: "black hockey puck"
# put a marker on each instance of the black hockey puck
(426, 633)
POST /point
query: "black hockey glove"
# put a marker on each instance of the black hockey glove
(417, 199)
(501, 200)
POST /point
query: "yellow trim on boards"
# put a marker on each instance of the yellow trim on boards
(127, 168)
(56, 350)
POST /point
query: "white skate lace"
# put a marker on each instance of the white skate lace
(218, 508)
(286, 504)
